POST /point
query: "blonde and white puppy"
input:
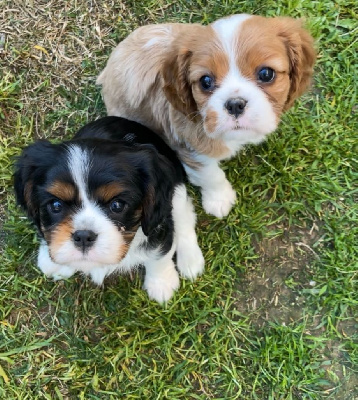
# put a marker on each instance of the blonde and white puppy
(209, 90)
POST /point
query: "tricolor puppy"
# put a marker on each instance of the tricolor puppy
(109, 200)
(210, 89)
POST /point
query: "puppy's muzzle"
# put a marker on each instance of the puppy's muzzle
(235, 106)
(84, 239)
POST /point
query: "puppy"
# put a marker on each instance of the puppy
(210, 89)
(109, 200)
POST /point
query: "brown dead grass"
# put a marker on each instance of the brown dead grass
(54, 50)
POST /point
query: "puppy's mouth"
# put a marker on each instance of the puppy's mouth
(83, 259)
(82, 256)
(238, 126)
(241, 127)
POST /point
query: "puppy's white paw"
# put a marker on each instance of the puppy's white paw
(51, 269)
(190, 260)
(98, 275)
(220, 201)
(62, 273)
(162, 287)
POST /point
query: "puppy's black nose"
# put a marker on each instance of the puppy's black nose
(235, 106)
(84, 239)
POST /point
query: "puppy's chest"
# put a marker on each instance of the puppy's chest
(138, 252)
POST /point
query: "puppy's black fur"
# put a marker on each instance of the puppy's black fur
(120, 150)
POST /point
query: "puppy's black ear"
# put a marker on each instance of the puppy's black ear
(159, 182)
(30, 168)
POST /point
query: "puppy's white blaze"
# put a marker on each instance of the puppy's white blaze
(227, 29)
(79, 165)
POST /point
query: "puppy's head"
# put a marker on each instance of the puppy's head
(239, 74)
(89, 197)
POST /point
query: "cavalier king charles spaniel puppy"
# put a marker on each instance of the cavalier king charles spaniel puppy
(111, 199)
(209, 90)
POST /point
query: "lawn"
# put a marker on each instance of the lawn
(275, 314)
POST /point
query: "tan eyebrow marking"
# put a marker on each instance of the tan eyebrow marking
(62, 190)
(108, 191)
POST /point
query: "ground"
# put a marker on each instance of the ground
(274, 316)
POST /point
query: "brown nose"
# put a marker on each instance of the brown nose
(236, 106)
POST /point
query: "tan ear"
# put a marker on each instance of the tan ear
(301, 52)
(176, 85)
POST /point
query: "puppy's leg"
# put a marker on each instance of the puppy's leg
(161, 278)
(190, 260)
(49, 268)
(98, 275)
(218, 196)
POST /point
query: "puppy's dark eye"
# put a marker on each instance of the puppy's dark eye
(207, 83)
(266, 74)
(55, 206)
(117, 206)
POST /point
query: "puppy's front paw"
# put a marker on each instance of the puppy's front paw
(51, 269)
(219, 202)
(62, 273)
(161, 288)
(98, 275)
(190, 260)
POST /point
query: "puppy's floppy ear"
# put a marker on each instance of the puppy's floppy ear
(176, 85)
(29, 167)
(158, 180)
(302, 55)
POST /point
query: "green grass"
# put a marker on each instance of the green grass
(275, 314)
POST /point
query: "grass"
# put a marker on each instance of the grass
(275, 314)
